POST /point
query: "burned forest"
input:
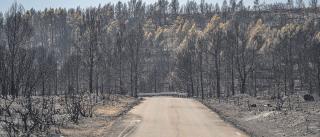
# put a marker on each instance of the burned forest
(257, 66)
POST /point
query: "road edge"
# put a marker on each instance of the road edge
(129, 107)
(117, 122)
(230, 120)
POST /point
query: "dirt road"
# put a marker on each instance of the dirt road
(174, 117)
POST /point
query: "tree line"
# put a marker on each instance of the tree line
(59, 51)
(231, 57)
(204, 49)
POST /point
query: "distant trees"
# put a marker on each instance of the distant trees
(18, 32)
(256, 5)
(313, 4)
(174, 6)
(91, 47)
(290, 4)
(186, 58)
(300, 4)
(214, 34)
(162, 8)
(237, 49)
(203, 7)
(256, 40)
(201, 49)
(111, 54)
(136, 38)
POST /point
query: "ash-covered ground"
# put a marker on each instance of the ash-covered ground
(261, 117)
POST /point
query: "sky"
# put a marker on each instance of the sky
(41, 4)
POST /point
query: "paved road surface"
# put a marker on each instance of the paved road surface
(176, 117)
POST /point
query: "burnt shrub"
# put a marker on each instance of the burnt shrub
(308, 97)
(253, 105)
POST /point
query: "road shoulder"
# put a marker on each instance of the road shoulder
(262, 120)
(104, 120)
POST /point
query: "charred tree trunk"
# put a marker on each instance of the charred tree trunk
(201, 77)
